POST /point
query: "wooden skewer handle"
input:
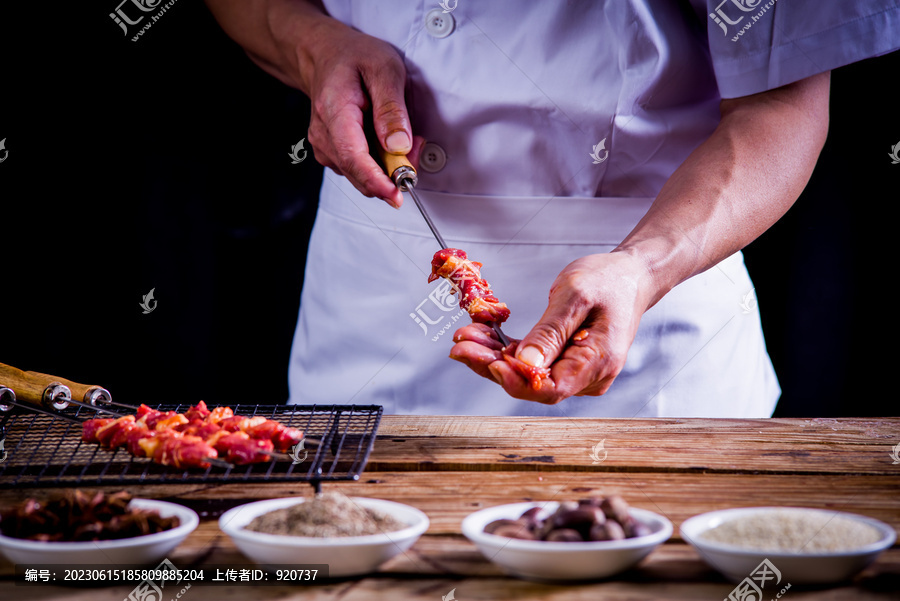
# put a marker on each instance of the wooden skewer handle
(30, 388)
(397, 165)
(87, 393)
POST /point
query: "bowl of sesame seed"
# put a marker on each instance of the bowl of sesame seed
(794, 545)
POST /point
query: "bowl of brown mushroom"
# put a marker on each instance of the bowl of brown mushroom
(588, 539)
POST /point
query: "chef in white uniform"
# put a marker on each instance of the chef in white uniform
(606, 161)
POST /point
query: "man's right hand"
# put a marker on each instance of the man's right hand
(354, 73)
(344, 72)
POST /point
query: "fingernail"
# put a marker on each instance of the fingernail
(398, 142)
(458, 358)
(391, 203)
(531, 355)
(496, 375)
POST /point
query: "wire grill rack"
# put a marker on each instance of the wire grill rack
(47, 450)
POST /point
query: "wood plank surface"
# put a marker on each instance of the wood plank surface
(451, 466)
(792, 446)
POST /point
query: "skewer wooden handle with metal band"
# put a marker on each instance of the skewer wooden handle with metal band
(89, 393)
(398, 168)
(35, 390)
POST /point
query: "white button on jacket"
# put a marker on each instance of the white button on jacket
(439, 23)
(432, 158)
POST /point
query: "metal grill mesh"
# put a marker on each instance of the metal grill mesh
(47, 450)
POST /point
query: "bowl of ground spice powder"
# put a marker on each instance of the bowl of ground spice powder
(351, 535)
(801, 545)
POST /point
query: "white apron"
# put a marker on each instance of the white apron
(517, 111)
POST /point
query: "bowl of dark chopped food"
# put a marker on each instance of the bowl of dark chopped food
(781, 546)
(351, 535)
(588, 539)
(85, 527)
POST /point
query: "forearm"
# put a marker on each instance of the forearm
(276, 34)
(734, 186)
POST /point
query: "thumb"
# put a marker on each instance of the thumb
(389, 113)
(546, 341)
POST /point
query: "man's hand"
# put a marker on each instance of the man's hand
(351, 79)
(351, 75)
(583, 337)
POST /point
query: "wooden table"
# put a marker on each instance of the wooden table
(452, 466)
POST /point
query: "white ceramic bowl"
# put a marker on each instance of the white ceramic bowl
(736, 563)
(344, 555)
(138, 550)
(552, 561)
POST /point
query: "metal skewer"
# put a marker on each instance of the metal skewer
(503, 339)
(406, 178)
(59, 397)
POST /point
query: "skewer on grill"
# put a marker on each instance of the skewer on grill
(49, 394)
(71, 418)
(173, 423)
(47, 404)
(166, 446)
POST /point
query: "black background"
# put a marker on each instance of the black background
(162, 164)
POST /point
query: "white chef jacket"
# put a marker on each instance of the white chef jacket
(553, 126)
